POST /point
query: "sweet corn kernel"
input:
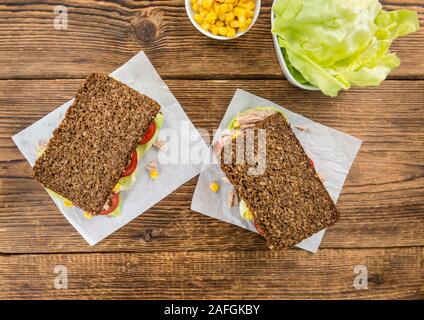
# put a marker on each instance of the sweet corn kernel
(87, 215)
(205, 26)
(235, 24)
(239, 11)
(67, 203)
(231, 32)
(154, 174)
(222, 31)
(236, 124)
(203, 14)
(210, 17)
(242, 21)
(207, 4)
(116, 188)
(229, 16)
(223, 8)
(214, 187)
(219, 24)
(214, 30)
(198, 18)
(224, 17)
(248, 215)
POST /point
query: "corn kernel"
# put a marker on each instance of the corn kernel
(203, 14)
(116, 188)
(154, 174)
(248, 215)
(207, 4)
(224, 17)
(214, 30)
(229, 16)
(235, 24)
(210, 17)
(239, 11)
(198, 18)
(87, 215)
(236, 124)
(205, 26)
(219, 24)
(67, 203)
(222, 31)
(214, 187)
(251, 5)
(223, 8)
(231, 32)
(242, 21)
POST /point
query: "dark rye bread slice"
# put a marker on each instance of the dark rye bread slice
(92, 146)
(288, 201)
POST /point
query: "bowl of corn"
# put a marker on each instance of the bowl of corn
(223, 19)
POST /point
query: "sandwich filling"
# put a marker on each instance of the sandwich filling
(113, 206)
(287, 202)
(242, 121)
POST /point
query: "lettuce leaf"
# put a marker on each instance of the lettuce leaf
(335, 44)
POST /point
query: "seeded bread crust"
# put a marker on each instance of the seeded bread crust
(92, 146)
(288, 201)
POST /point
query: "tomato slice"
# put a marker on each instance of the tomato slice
(113, 204)
(131, 167)
(149, 133)
(312, 163)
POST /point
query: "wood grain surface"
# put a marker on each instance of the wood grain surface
(170, 251)
(103, 35)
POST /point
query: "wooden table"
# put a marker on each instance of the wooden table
(170, 251)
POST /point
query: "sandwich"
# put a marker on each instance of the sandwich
(286, 201)
(94, 153)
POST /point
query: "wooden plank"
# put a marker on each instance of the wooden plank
(381, 204)
(103, 35)
(293, 274)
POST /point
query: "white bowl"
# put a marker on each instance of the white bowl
(190, 14)
(283, 64)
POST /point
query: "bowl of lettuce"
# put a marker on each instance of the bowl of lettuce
(330, 45)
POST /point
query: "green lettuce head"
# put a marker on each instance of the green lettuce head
(335, 44)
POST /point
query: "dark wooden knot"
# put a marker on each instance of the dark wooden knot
(149, 234)
(145, 30)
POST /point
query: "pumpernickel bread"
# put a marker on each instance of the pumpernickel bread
(93, 144)
(288, 201)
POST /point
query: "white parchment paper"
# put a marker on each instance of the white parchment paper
(332, 151)
(139, 74)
